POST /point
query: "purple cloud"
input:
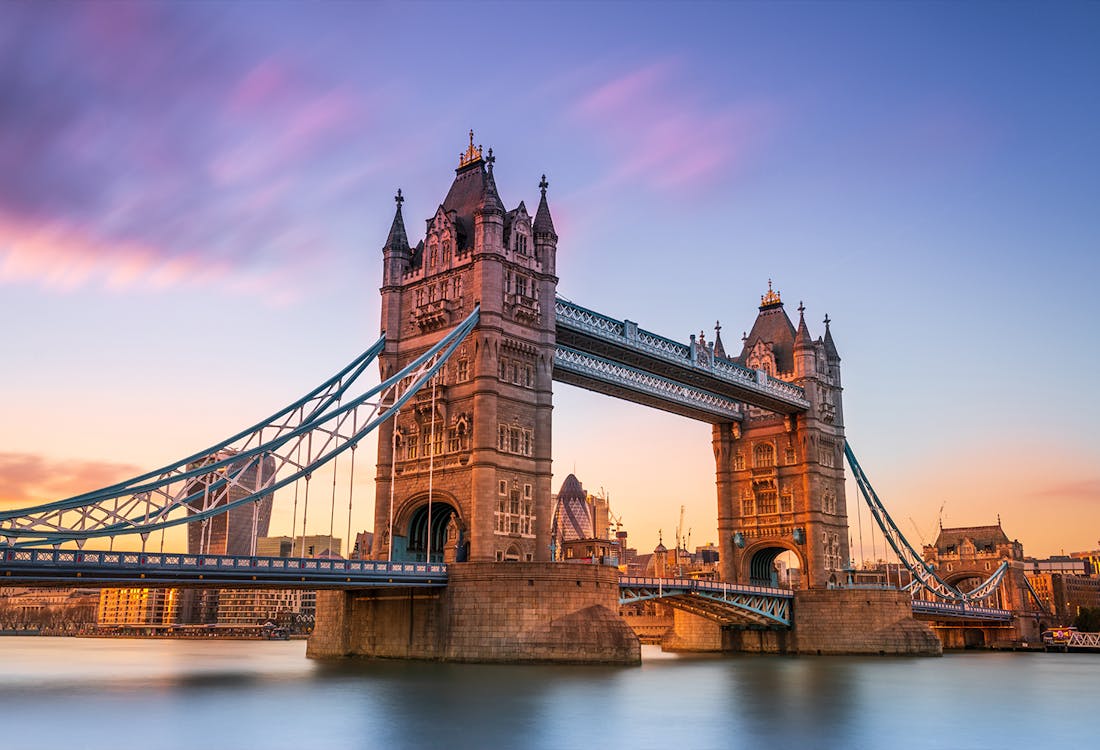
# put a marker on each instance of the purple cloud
(662, 134)
(145, 145)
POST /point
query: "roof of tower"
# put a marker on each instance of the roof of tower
(774, 327)
(802, 339)
(983, 537)
(543, 222)
(468, 191)
(397, 238)
(830, 347)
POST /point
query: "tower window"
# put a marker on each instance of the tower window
(763, 456)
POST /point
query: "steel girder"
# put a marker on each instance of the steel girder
(694, 365)
(727, 604)
(960, 610)
(622, 381)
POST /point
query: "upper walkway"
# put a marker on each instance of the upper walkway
(617, 358)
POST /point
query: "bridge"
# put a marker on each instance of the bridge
(474, 335)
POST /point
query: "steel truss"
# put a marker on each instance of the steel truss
(728, 604)
(288, 446)
(923, 573)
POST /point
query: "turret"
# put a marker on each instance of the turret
(546, 239)
(395, 253)
(805, 364)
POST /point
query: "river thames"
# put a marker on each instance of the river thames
(151, 694)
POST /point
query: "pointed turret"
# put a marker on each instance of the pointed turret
(719, 349)
(397, 240)
(543, 222)
(396, 256)
(546, 239)
(805, 353)
(490, 198)
(830, 347)
(802, 339)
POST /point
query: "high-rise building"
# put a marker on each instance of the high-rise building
(137, 606)
(232, 532)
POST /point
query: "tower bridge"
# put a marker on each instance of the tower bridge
(473, 336)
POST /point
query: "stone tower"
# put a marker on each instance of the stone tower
(479, 442)
(781, 478)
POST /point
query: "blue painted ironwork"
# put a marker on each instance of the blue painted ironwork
(960, 610)
(579, 328)
(138, 506)
(594, 372)
(923, 573)
(727, 603)
(76, 567)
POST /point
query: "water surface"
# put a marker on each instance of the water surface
(151, 694)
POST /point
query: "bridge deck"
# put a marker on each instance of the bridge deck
(76, 568)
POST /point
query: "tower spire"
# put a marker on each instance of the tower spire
(719, 349)
(397, 240)
(543, 222)
(802, 339)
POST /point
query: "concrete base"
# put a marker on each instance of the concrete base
(489, 612)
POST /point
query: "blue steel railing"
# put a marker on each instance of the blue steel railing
(627, 334)
(76, 566)
(960, 610)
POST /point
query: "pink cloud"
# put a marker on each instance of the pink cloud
(27, 478)
(661, 133)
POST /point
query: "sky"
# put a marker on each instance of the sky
(194, 196)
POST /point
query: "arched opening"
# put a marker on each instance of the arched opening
(512, 554)
(973, 638)
(775, 566)
(419, 531)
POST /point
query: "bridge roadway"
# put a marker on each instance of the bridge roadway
(617, 358)
(727, 603)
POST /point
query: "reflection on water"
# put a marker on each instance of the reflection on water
(149, 694)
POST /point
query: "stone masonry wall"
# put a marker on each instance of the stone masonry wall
(489, 612)
(692, 633)
(855, 621)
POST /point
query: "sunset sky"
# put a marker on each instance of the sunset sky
(194, 196)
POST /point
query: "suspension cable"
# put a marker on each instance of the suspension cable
(393, 473)
(351, 483)
(332, 508)
(305, 502)
(859, 517)
(431, 470)
(294, 514)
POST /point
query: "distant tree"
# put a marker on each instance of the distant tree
(1088, 620)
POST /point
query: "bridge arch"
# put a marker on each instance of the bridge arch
(759, 561)
(412, 528)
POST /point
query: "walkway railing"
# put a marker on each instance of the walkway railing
(694, 357)
(76, 566)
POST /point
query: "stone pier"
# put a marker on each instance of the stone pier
(826, 621)
(489, 612)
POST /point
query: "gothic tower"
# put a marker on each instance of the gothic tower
(478, 444)
(781, 478)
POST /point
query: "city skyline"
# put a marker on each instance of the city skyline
(189, 243)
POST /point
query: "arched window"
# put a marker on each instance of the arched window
(763, 456)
